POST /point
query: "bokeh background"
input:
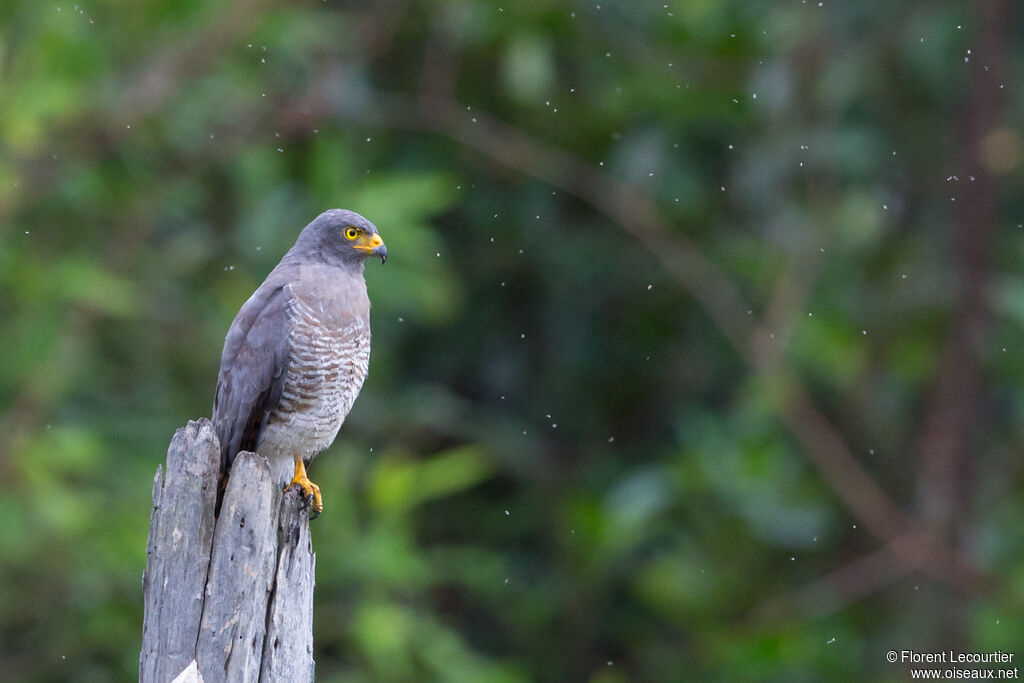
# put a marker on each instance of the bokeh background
(699, 354)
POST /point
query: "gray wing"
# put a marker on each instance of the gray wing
(252, 371)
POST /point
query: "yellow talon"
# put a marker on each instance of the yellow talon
(309, 489)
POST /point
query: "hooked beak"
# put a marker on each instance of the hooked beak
(374, 246)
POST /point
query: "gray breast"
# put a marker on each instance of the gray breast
(328, 361)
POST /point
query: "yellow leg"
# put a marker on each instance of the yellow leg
(309, 489)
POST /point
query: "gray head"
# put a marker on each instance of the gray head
(340, 238)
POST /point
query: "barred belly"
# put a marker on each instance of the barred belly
(328, 362)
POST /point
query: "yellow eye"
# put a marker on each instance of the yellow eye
(351, 233)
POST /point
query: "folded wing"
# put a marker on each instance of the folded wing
(252, 371)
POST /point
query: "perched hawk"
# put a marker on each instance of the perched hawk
(297, 353)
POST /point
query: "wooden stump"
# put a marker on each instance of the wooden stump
(233, 593)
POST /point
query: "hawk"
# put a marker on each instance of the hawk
(298, 351)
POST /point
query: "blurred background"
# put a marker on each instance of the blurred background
(699, 354)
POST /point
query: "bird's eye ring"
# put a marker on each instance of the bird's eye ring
(351, 233)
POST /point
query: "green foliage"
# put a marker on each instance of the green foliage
(563, 466)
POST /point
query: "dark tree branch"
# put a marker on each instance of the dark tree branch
(855, 580)
(952, 413)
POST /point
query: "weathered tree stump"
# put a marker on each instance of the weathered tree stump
(232, 593)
